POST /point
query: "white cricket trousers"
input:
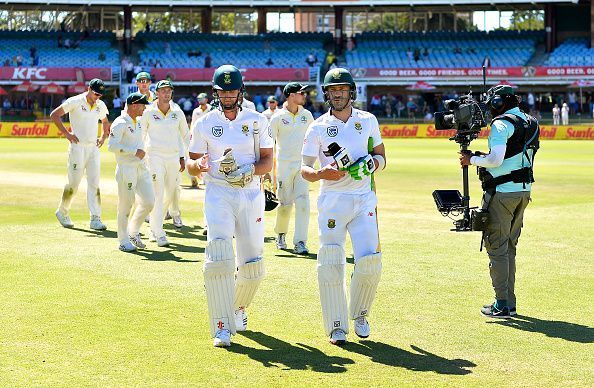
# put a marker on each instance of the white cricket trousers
(339, 213)
(165, 176)
(292, 189)
(565, 119)
(81, 159)
(134, 182)
(238, 213)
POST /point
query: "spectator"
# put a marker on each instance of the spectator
(67, 43)
(556, 114)
(375, 104)
(311, 60)
(32, 51)
(19, 60)
(350, 44)
(565, 114)
(102, 56)
(409, 54)
(188, 106)
(417, 55)
(388, 108)
(35, 61)
(6, 105)
(269, 62)
(86, 33)
(531, 102)
(399, 108)
(167, 47)
(60, 41)
(428, 116)
(129, 71)
(117, 103)
(207, 61)
(573, 104)
(158, 64)
(330, 59)
(411, 107)
(137, 69)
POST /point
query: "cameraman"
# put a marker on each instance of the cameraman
(506, 176)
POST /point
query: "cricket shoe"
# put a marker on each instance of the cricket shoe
(167, 216)
(362, 328)
(127, 247)
(492, 311)
(301, 249)
(162, 241)
(177, 222)
(222, 338)
(64, 219)
(241, 319)
(338, 337)
(96, 223)
(137, 241)
(280, 241)
(152, 237)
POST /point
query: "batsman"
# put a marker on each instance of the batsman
(348, 144)
(232, 146)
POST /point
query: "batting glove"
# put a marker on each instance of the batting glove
(363, 167)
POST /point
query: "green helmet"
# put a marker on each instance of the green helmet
(227, 77)
(338, 76)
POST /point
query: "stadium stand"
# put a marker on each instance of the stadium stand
(92, 49)
(277, 50)
(572, 52)
(443, 49)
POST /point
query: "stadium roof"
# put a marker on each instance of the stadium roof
(289, 3)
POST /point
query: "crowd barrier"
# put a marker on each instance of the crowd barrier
(559, 132)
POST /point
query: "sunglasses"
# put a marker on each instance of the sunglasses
(144, 81)
(98, 94)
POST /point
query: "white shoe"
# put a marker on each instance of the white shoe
(96, 223)
(241, 319)
(63, 219)
(162, 241)
(362, 328)
(280, 241)
(338, 337)
(167, 216)
(222, 339)
(147, 219)
(177, 222)
(127, 247)
(301, 249)
(137, 241)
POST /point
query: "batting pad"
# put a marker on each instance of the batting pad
(331, 263)
(366, 277)
(218, 281)
(247, 280)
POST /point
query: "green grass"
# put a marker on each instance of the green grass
(75, 311)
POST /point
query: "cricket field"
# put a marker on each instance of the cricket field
(75, 311)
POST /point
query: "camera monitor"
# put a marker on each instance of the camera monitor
(447, 200)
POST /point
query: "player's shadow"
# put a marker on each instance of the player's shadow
(289, 254)
(555, 329)
(168, 255)
(281, 354)
(420, 360)
(98, 233)
(194, 232)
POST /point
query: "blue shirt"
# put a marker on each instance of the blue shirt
(501, 130)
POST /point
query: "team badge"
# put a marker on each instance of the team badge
(331, 223)
(244, 129)
(174, 116)
(217, 131)
(74, 166)
(303, 119)
(358, 127)
(332, 131)
(154, 177)
(336, 74)
(129, 185)
(227, 78)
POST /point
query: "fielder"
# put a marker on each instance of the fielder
(165, 128)
(126, 140)
(287, 128)
(340, 139)
(233, 147)
(84, 111)
(143, 81)
(202, 109)
(272, 107)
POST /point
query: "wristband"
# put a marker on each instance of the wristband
(381, 162)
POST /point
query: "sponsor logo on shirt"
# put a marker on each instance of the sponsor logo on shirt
(131, 129)
(83, 108)
(174, 116)
(332, 130)
(217, 131)
(303, 119)
(285, 122)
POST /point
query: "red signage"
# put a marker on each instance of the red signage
(518, 72)
(54, 73)
(249, 74)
